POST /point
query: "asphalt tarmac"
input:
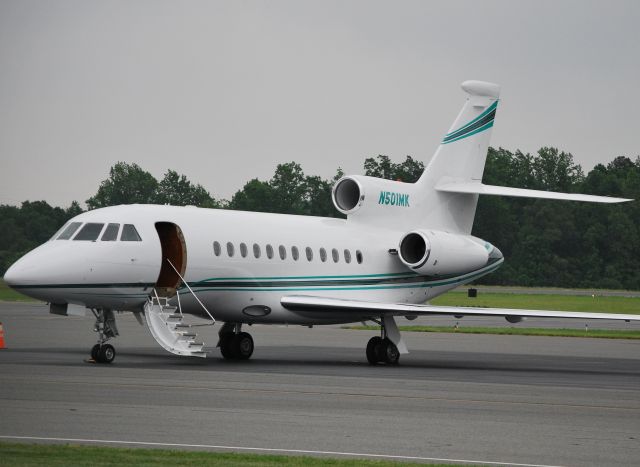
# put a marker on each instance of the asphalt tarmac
(503, 400)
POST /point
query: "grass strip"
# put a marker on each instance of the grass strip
(53, 455)
(7, 294)
(585, 303)
(511, 331)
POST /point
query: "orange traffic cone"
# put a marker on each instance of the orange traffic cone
(2, 346)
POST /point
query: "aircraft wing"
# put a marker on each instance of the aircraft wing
(318, 304)
(482, 189)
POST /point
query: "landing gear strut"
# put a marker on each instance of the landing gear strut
(383, 348)
(106, 328)
(235, 345)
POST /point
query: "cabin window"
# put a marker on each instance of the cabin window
(69, 231)
(335, 255)
(295, 254)
(269, 250)
(216, 248)
(243, 250)
(89, 232)
(256, 250)
(129, 234)
(110, 233)
(230, 249)
(323, 255)
(347, 256)
(283, 252)
(359, 256)
(309, 253)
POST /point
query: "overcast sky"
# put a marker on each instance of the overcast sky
(223, 91)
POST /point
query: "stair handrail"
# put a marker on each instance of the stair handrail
(155, 292)
(179, 304)
(191, 290)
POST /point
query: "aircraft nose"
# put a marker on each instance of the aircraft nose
(15, 275)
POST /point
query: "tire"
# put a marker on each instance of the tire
(243, 346)
(95, 352)
(107, 354)
(226, 346)
(374, 347)
(390, 352)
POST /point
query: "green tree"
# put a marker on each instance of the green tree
(382, 167)
(555, 170)
(255, 196)
(318, 197)
(127, 184)
(24, 228)
(177, 190)
(289, 189)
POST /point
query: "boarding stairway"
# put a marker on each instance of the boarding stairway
(167, 325)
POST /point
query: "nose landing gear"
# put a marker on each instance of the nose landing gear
(106, 328)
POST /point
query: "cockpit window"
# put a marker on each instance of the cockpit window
(89, 232)
(69, 230)
(130, 234)
(110, 233)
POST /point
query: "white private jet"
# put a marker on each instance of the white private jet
(401, 245)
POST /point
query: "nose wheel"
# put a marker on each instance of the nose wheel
(105, 353)
(106, 328)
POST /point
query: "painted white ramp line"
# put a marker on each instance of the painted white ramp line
(268, 450)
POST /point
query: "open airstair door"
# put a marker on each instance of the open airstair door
(174, 252)
(165, 321)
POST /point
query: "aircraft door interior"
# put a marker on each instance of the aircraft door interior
(174, 252)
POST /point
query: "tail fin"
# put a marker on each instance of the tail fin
(459, 158)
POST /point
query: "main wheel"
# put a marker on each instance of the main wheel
(227, 347)
(95, 351)
(374, 350)
(243, 346)
(106, 354)
(390, 352)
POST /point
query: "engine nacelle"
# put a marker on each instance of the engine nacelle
(432, 252)
(354, 192)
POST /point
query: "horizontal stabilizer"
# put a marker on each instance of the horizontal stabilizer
(482, 189)
(310, 303)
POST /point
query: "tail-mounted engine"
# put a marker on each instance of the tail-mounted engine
(372, 197)
(432, 252)
(348, 195)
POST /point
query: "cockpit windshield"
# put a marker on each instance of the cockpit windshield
(130, 234)
(68, 232)
(110, 233)
(89, 232)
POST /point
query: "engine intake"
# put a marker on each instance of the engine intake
(348, 195)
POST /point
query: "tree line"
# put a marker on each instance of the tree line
(545, 242)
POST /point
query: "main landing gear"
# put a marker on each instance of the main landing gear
(106, 328)
(234, 344)
(382, 350)
(387, 347)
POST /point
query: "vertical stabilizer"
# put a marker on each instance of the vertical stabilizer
(460, 158)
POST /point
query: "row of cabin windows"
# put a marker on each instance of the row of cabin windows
(91, 231)
(282, 252)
